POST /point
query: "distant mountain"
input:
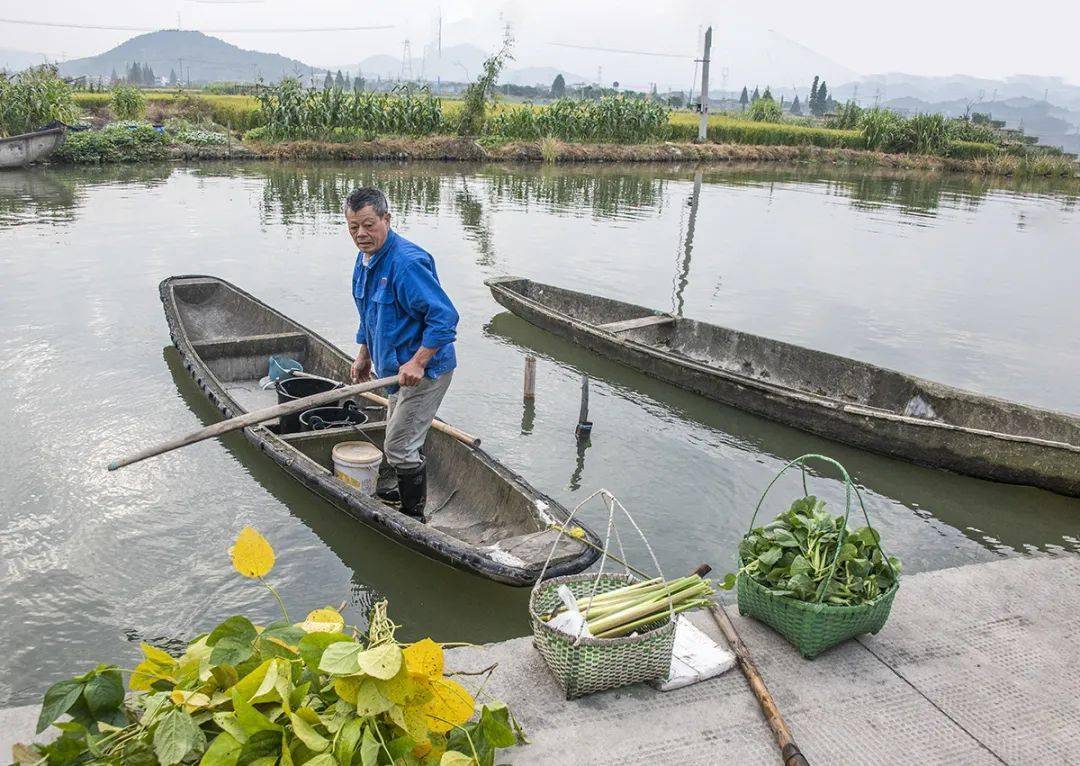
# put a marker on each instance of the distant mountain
(456, 63)
(542, 75)
(1047, 107)
(203, 58)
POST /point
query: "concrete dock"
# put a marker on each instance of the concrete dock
(977, 665)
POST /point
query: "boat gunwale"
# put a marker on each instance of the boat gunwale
(827, 403)
(451, 550)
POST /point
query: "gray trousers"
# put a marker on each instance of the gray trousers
(408, 419)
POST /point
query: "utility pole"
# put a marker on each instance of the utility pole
(703, 122)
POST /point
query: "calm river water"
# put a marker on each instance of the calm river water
(953, 279)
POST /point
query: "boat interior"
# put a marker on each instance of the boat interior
(803, 370)
(470, 497)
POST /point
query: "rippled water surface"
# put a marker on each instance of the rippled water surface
(953, 279)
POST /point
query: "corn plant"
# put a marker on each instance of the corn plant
(128, 102)
(291, 112)
(613, 118)
(33, 98)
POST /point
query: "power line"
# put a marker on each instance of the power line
(622, 50)
(121, 28)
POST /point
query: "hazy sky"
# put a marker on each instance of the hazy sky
(917, 36)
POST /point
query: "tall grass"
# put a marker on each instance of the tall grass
(615, 119)
(723, 129)
(33, 98)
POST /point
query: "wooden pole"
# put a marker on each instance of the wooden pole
(530, 378)
(438, 425)
(254, 418)
(584, 426)
(789, 751)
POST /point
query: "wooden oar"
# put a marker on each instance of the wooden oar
(254, 418)
(437, 424)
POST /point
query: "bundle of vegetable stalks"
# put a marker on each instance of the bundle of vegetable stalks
(622, 611)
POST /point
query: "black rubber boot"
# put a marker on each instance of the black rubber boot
(412, 486)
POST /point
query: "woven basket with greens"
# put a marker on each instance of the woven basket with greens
(811, 577)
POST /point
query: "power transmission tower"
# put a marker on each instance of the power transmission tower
(406, 62)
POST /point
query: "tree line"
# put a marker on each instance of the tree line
(819, 104)
(140, 74)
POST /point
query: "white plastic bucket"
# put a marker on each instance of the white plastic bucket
(357, 464)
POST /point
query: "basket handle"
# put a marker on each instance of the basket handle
(611, 502)
(848, 487)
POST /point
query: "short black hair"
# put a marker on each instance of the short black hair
(367, 195)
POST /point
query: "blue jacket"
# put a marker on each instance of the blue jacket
(402, 307)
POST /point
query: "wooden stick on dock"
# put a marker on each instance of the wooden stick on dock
(789, 751)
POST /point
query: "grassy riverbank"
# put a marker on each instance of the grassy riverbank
(287, 121)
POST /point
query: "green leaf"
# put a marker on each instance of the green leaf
(729, 581)
(322, 759)
(223, 751)
(58, 700)
(800, 565)
(280, 640)
(230, 650)
(104, 693)
(346, 740)
(313, 645)
(235, 627)
(382, 662)
(341, 659)
(785, 538)
(261, 746)
(176, 736)
(771, 556)
(370, 700)
(251, 720)
(454, 758)
(307, 734)
(227, 722)
(369, 749)
(495, 723)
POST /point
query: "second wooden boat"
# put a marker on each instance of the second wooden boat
(481, 516)
(19, 151)
(853, 402)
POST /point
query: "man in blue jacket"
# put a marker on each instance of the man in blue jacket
(407, 327)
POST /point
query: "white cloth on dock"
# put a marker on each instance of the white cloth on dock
(694, 657)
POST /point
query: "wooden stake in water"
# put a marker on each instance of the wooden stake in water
(530, 378)
(584, 426)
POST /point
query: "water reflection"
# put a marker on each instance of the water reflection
(999, 517)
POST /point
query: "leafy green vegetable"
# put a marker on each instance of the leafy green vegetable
(793, 555)
(245, 695)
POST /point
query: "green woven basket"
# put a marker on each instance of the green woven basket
(586, 665)
(814, 627)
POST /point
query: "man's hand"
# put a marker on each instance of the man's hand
(361, 368)
(410, 373)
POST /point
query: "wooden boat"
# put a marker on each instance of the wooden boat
(481, 516)
(19, 151)
(870, 407)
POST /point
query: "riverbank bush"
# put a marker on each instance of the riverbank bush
(116, 142)
(611, 119)
(33, 98)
